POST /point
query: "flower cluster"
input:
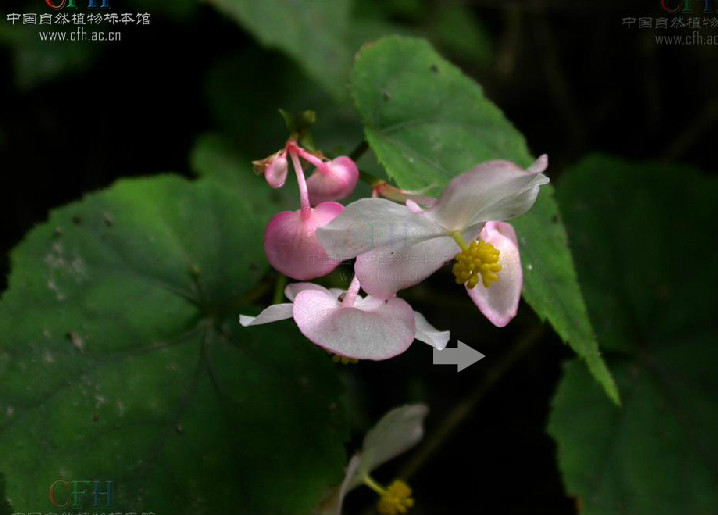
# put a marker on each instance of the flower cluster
(398, 238)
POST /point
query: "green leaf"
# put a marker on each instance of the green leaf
(649, 276)
(122, 360)
(427, 122)
(313, 32)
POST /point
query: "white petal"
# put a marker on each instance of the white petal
(397, 431)
(369, 330)
(273, 313)
(427, 333)
(334, 507)
(372, 223)
(495, 190)
(294, 289)
(500, 301)
(384, 271)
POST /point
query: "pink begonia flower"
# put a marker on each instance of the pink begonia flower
(290, 240)
(354, 327)
(332, 180)
(398, 246)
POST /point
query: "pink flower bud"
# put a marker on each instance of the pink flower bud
(334, 180)
(276, 172)
(291, 244)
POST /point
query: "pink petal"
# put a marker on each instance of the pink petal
(495, 190)
(291, 244)
(276, 172)
(271, 314)
(500, 302)
(384, 271)
(294, 289)
(334, 180)
(375, 334)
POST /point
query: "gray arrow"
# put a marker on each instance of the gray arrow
(462, 356)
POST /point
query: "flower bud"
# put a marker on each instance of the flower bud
(333, 180)
(275, 172)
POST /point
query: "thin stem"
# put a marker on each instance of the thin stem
(459, 239)
(308, 156)
(465, 407)
(359, 151)
(369, 481)
(305, 208)
(279, 286)
(351, 294)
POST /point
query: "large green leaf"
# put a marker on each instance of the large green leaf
(643, 237)
(427, 123)
(313, 32)
(121, 360)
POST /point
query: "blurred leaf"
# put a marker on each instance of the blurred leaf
(649, 276)
(427, 123)
(5, 508)
(313, 32)
(36, 62)
(176, 10)
(459, 33)
(247, 110)
(122, 360)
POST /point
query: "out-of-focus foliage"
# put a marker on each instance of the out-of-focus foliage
(427, 123)
(651, 285)
(314, 32)
(120, 319)
(37, 62)
(5, 508)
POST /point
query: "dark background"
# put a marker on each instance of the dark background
(570, 76)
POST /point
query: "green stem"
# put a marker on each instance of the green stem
(369, 481)
(359, 151)
(279, 286)
(459, 239)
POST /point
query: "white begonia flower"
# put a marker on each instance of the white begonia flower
(398, 246)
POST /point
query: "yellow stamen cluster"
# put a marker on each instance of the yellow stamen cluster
(395, 499)
(336, 358)
(478, 259)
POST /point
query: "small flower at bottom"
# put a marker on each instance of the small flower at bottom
(354, 327)
(397, 431)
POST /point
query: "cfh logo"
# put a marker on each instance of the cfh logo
(61, 4)
(75, 494)
(685, 6)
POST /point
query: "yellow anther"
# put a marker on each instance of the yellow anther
(479, 259)
(395, 499)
